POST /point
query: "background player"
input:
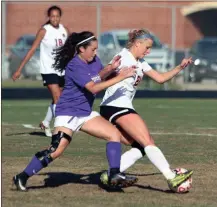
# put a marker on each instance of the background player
(50, 36)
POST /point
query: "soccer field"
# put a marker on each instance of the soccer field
(184, 129)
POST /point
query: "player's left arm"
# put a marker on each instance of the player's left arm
(164, 77)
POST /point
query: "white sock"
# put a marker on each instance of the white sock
(49, 115)
(53, 109)
(129, 158)
(157, 158)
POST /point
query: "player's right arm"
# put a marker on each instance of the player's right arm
(164, 77)
(39, 36)
(95, 84)
(125, 72)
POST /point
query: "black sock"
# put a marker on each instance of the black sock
(23, 176)
(138, 146)
(114, 171)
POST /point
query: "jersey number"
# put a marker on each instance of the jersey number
(59, 42)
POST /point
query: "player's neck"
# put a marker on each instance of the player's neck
(82, 58)
(56, 27)
(133, 52)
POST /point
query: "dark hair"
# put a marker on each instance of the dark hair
(50, 10)
(66, 52)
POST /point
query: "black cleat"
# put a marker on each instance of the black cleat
(19, 183)
(121, 180)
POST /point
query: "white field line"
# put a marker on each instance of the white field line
(206, 128)
(156, 133)
(30, 126)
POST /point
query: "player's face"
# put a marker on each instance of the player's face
(55, 18)
(89, 53)
(144, 48)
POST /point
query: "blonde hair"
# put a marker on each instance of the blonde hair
(134, 34)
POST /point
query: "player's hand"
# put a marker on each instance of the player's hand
(127, 72)
(185, 62)
(16, 75)
(116, 62)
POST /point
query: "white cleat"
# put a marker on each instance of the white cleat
(47, 130)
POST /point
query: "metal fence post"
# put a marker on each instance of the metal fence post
(98, 19)
(4, 65)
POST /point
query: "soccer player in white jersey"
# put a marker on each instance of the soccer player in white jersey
(50, 36)
(117, 107)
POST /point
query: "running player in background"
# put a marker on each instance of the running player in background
(117, 107)
(50, 36)
(84, 76)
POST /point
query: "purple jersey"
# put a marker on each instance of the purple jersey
(75, 99)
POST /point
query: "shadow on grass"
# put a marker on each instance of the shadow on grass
(55, 179)
(41, 134)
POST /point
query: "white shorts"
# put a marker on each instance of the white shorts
(73, 122)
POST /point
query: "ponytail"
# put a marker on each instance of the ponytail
(65, 53)
(48, 22)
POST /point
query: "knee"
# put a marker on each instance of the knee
(56, 138)
(53, 152)
(114, 136)
(126, 141)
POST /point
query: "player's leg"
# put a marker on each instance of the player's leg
(129, 157)
(99, 127)
(51, 81)
(111, 114)
(60, 140)
(129, 123)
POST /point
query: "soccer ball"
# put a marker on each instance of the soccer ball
(104, 178)
(184, 187)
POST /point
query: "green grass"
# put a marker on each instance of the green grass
(185, 130)
(23, 83)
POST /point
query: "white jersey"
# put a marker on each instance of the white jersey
(121, 94)
(54, 38)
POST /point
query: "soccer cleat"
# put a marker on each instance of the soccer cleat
(121, 180)
(179, 179)
(47, 130)
(19, 183)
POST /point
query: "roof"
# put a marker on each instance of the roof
(198, 7)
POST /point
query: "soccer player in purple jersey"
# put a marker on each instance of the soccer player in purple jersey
(84, 77)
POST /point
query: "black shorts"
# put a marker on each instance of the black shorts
(112, 113)
(53, 79)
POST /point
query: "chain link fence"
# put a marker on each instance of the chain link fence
(165, 20)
